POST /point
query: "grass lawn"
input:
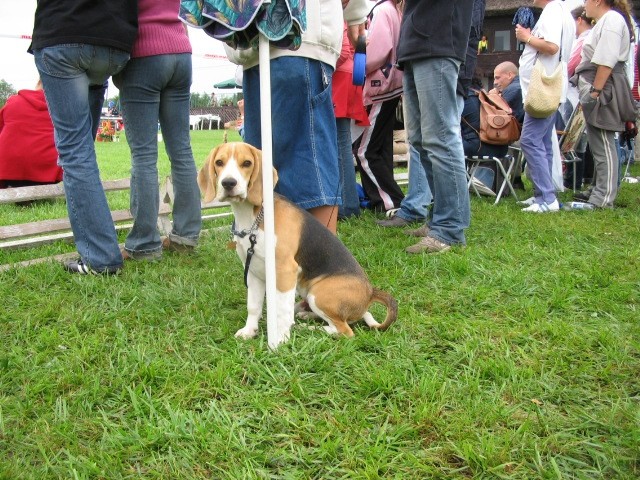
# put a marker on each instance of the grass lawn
(515, 358)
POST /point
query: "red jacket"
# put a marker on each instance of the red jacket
(27, 149)
(347, 97)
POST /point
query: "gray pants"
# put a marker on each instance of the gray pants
(605, 166)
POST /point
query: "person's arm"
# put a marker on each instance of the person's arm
(355, 13)
(575, 57)
(540, 44)
(602, 75)
(380, 43)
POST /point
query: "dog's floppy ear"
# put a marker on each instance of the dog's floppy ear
(207, 177)
(254, 189)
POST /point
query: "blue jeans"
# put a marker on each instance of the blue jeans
(67, 72)
(350, 201)
(432, 121)
(151, 89)
(536, 145)
(414, 204)
(305, 147)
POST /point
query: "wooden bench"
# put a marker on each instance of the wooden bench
(47, 231)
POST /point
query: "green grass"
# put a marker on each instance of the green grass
(515, 358)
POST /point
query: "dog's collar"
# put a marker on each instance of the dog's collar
(253, 228)
(252, 239)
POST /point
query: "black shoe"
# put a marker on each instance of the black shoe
(77, 266)
(582, 196)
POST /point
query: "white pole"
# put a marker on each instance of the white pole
(273, 335)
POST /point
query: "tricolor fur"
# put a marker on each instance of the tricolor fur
(310, 260)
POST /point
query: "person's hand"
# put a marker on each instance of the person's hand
(523, 34)
(354, 31)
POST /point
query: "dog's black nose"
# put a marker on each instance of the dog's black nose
(228, 183)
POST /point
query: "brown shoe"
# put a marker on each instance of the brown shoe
(418, 232)
(428, 245)
(170, 246)
(394, 221)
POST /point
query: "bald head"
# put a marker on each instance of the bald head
(503, 75)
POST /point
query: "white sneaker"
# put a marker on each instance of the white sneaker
(528, 201)
(543, 207)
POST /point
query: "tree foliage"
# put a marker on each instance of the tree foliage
(6, 90)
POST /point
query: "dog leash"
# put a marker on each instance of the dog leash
(252, 240)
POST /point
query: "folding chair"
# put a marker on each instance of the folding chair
(475, 162)
(570, 138)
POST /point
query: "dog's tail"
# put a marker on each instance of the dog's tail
(380, 296)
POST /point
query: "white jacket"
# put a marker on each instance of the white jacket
(323, 38)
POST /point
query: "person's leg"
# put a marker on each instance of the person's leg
(66, 73)
(174, 120)
(350, 202)
(536, 146)
(415, 203)
(96, 100)
(605, 158)
(374, 153)
(140, 99)
(433, 122)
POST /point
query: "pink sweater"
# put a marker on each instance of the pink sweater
(160, 31)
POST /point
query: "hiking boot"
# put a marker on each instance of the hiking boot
(543, 207)
(428, 245)
(418, 232)
(394, 221)
(149, 256)
(78, 266)
(171, 246)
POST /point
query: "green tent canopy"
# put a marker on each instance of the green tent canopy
(230, 83)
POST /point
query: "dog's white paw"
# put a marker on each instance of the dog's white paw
(247, 333)
(331, 329)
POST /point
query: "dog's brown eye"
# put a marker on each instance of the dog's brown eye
(219, 163)
(247, 163)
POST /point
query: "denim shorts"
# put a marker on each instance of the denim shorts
(305, 151)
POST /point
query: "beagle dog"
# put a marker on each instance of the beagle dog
(309, 259)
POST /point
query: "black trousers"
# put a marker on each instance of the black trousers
(373, 151)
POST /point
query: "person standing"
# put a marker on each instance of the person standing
(76, 49)
(305, 150)
(155, 87)
(432, 117)
(604, 91)
(348, 107)
(550, 39)
(373, 149)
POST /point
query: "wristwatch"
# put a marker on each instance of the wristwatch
(593, 89)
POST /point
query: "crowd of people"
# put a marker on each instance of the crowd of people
(146, 49)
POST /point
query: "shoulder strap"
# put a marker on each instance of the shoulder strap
(370, 14)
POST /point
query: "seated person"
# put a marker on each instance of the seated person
(507, 83)
(28, 155)
(470, 128)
